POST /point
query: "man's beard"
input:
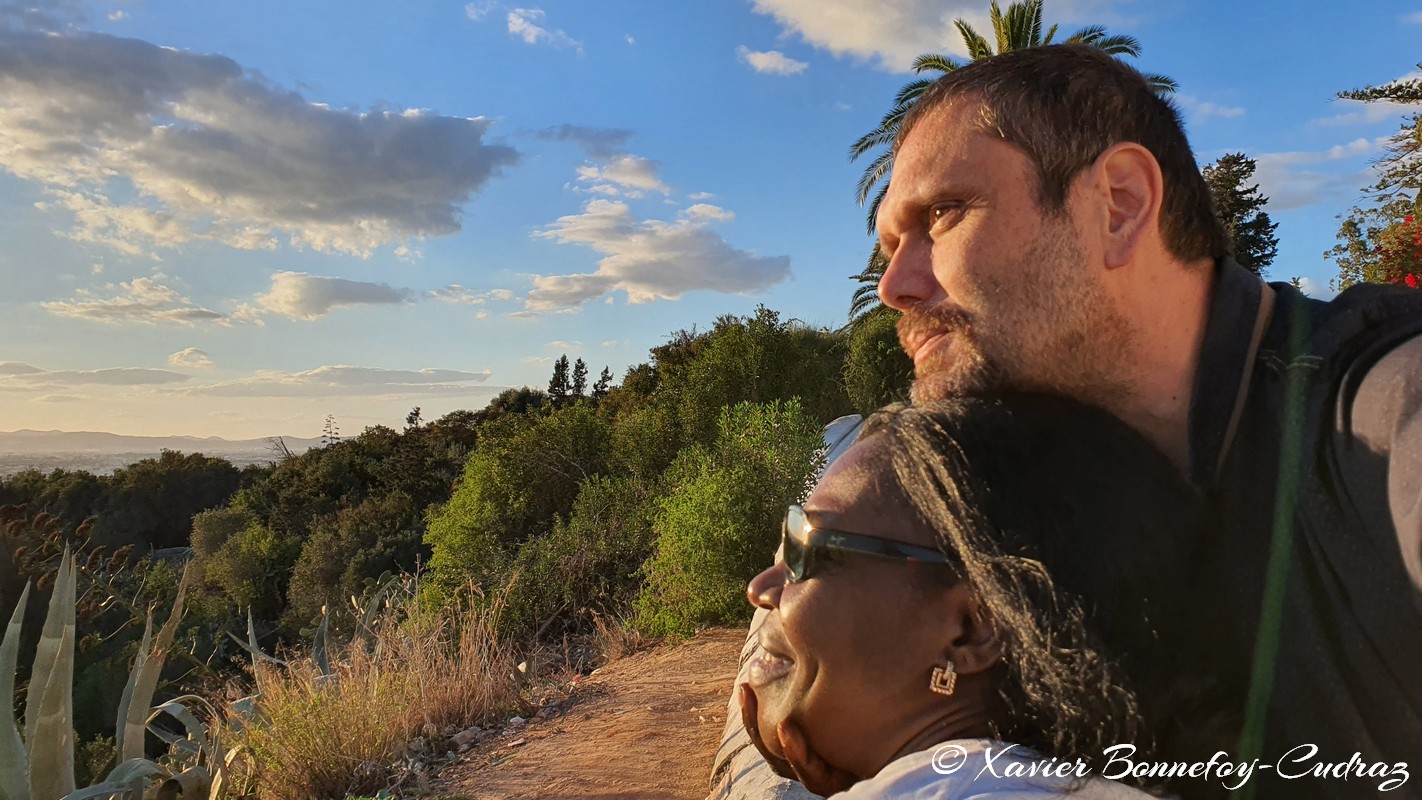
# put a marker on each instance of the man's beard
(1062, 334)
(963, 369)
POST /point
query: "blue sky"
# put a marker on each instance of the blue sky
(234, 219)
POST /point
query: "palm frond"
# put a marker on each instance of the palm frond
(866, 296)
(978, 47)
(873, 174)
(1087, 35)
(869, 141)
(1118, 44)
(1162, 84)
(1051, 32)
(933, 61)
(912, 90)
(999, 25)
(1035, 31)
(864, 300)
(872, 219)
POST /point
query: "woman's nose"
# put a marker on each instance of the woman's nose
(764, 589)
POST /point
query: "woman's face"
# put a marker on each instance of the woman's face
(848, 652)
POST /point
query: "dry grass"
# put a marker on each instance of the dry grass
(345, 734)
(614, 638)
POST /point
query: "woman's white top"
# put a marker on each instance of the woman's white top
(983, 769)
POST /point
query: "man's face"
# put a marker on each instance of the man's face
(995, 291)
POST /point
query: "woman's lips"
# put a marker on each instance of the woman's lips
(768, 668)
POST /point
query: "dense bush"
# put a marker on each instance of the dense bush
(586, 564)
(719, 525)
(876, 371)
(525, 472)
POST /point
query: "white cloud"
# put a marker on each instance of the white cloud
(1200, 111)
(538, 359)
(630, 39)
(139, 301)
(118, 16)
(190, 358)
(634, 174)
(478, 10)
(345, 380)
(1302, 178)
(649, 260)
(1415, 18)
(698, 196)
(892, 34)
(705, 212)
(1356, 112)
(599, 143)
(770, 62)
(149, 146)
(302, 296)
(15, 376)
(1312, 288)
(525, 24)
(57, 398)
(455, 294)
(559, 344)
(612, 343)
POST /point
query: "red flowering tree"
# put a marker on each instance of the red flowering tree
(1383, 244)
(1399, 250)
(1378, 247)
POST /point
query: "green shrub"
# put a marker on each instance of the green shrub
(212, 529)
(588, 563)
(253, 568)
(380, 535)
(876, 372)
(524, 473)
(721, 521)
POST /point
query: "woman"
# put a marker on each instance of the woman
(984, 572)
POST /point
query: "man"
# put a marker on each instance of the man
(1047, 227)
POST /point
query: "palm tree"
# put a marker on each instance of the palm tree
(1017, 29)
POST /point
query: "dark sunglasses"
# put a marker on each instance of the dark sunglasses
(801, 543)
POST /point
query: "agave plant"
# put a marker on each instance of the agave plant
(39, 765)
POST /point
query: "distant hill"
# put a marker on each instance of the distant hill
(104, 452)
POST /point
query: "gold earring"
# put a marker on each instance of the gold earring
(944, 679)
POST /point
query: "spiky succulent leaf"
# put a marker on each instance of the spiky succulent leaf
(14, 763)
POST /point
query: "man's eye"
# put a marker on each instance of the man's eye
(942, 211)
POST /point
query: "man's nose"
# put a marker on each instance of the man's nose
(763, 591)
(908, 278)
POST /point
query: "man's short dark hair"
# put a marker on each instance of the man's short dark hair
(1064, 105)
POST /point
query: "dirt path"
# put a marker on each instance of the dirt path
(646, 726)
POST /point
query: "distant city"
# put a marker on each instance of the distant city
(102, 453)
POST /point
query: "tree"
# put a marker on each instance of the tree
(1240, 208)
(1019, 28)
(1379, 247)
(604, 382)
(719, 524)
(1377, 240)
(330, 433)
(559, 385)
(413, 419)
(580, 378)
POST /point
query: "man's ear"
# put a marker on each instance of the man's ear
(974, 643)
(1130, 178)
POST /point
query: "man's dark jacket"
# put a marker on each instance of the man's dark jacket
(1306, 435)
